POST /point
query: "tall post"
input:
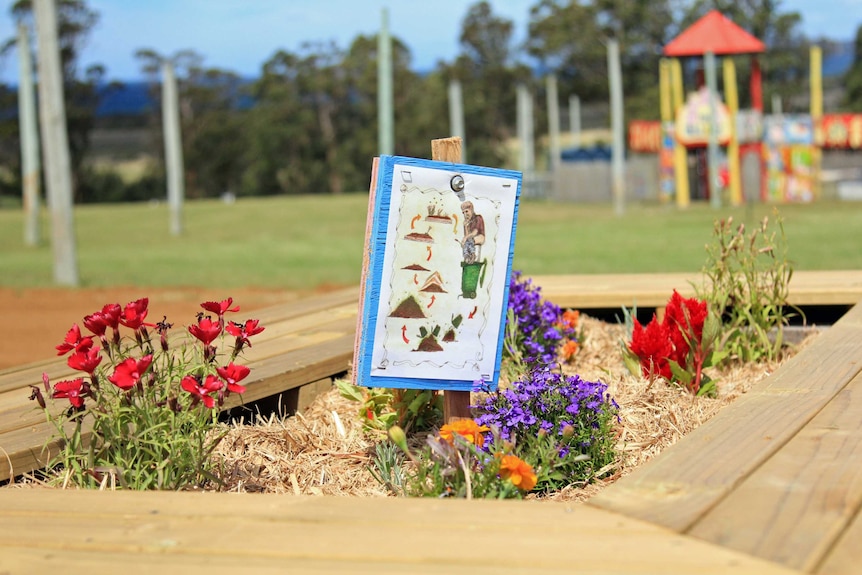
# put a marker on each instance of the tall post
(712, 141)
(385, 113)
(816, 81)
(734, 168)
(173, 147)
(553, 121)
(666, 110)
(680, 155)
(525, 130)
(776, 105)
(575, 119)
(456, 404)
(29, 139)
(55, 146)
(456, 115)
(618, 189)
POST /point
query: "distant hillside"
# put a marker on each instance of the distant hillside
(127, 99)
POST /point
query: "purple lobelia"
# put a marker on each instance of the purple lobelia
(535, 328)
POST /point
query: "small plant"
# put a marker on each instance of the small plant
(144, 415)
(381, 408)
(679, 348)
(459, 462)
(536, 329)
(746, 283)
(562, 425)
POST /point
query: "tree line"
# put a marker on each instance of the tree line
(311, 126)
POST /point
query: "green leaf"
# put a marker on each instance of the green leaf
(456, 321)
(632, 362)
(419, 402)
(679, 373)
(349, 391)
(423, 332)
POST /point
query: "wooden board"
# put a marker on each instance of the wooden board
(90, 531)
(793, 507)
(807, 287)
(681, 484)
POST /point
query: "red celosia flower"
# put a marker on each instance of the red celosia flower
(201, 392)
(129, 372)
(85, 360)
(684, 318)
(134, 313)
(73, 340)
(219, 308)
(232, 375)
(653, 347)
(72, 389)
(243, 332)
(206, 330)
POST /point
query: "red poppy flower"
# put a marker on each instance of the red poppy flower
(72, 389)
(653, 347)
(232, 375)
(134, 313)
(85, 360)
(244, 331)
(206, 330)
(201, 391)
(129, 372)
(73, 340)
(219, 308)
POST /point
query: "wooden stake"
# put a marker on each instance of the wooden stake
(456, 404)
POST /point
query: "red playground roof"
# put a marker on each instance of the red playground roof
(713, 33)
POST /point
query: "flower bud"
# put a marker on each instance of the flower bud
(568, 431)
(542, 433)
(398, 437)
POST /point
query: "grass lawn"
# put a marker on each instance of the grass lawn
(307, 241)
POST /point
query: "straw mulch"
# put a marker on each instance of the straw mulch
(324, 450)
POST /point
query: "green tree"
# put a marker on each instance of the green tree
(211, 117)
(488, 72)
(853, 78)
(75, 21)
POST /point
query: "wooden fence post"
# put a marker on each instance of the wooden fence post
(456, 404)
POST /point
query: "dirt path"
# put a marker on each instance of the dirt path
(33, 321)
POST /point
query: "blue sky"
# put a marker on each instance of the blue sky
(240, 35)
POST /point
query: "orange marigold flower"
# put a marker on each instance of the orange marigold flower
(569, 349)
(466, 428)
(569, 319)
(518, 471)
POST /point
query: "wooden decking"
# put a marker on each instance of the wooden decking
(772, 484)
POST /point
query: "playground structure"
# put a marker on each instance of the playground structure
(711, 149)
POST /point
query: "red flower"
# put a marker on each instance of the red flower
(684, 318)
(112, 312)
(85, 360)
(219, 308)
(243, 332)
(134, 313)
(232, 375)
(653, 347)
(73, 340)
(201, 392)
(129, 372)
(97, 323)
(71, 389)
(206, 330)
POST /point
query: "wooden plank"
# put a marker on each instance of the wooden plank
(677, 487)
(137, 532)
(846, 556)
(807, 287)
(792, 509)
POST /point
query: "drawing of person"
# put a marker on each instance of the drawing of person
(474, 233)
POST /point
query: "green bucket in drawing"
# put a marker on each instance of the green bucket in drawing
(472, 277)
